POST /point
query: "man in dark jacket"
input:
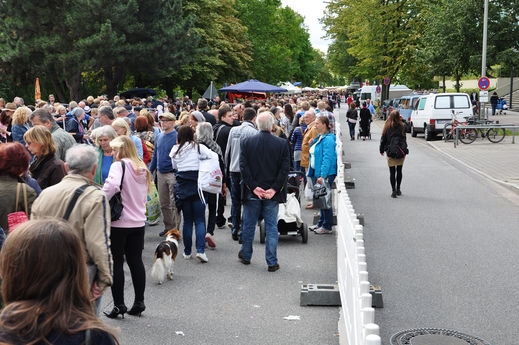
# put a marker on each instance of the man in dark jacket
(221, 135)
(264, 164)
(202, 107)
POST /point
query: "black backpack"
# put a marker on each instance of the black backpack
(397, 148)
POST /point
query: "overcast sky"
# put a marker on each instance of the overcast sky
(311, 10)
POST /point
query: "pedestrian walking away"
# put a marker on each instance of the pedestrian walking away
(264, 164)
(185, 157)
(127, 233)
(352, 117)
(393, 142)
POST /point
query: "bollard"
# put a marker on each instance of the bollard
(364, 290)
(360, 250)
(371, 329)
(365, 301)
(368, 315)
(362, 266)
(373, 339)
(363, 276)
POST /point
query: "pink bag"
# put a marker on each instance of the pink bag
(18, 217)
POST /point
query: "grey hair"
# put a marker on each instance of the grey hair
(310, 112)
(43, 115)
(265, 121)
(81, 159)
(77, 112)
(61, 107)
(106, 110)
(204, 130)
(104, 131)
(72, 104)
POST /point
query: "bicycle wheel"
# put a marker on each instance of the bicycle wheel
(496, 135)
(467, 136)
(447, 132)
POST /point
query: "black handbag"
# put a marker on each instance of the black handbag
(116, 202)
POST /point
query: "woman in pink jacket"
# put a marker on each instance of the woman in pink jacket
(127, 233)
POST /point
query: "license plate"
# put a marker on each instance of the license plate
(441, 122)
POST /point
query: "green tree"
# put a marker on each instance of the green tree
(224, 49)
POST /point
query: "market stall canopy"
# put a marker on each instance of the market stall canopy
(138, 92)
(252, 86)
(290, 88)
(309, 89)
(211, 92)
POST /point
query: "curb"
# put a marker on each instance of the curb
(513, 186)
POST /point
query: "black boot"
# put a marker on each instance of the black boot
(137, 308)
(393, 195)
(118, 309)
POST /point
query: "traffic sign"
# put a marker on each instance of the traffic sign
(483, 83)
(387, 81)
(483, 96)
(378, 89)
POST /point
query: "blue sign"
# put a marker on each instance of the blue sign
(387, 81)
(483, 83)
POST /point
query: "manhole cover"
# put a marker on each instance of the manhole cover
(435, 336)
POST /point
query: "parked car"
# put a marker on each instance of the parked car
(406, 105)
(387, 107)
(435, 110)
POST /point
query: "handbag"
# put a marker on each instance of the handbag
(322, 198)
(116, 201)
(18, 217)
(152, 204)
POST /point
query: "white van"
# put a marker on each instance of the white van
(435, 110)
(395, 91)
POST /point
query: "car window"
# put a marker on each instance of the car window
(415, 102)
(461, 102)
(442, 102)
(421, 105)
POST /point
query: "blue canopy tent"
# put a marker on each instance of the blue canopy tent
(252, 86)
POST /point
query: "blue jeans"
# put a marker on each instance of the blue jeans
(352, 129)
(326, 216)
(194, 214)
(494, 106)
(236, 202)
(252, 210)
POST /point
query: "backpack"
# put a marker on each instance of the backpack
(397, 148)
(210, 177)
(149, 145)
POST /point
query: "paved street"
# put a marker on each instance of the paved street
(445, 252)
(225, 302)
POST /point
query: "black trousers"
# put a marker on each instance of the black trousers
(129, 243)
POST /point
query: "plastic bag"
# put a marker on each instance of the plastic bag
(322, 196)
(152, 204)
(309, 193)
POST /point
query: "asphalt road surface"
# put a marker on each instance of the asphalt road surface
(445, 252)
(226, 302)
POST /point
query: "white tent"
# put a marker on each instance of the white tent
(309, 89)
(290, 88)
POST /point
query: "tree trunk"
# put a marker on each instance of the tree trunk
(444, 83)
(458, 77)
(113, 77)
(74, 85)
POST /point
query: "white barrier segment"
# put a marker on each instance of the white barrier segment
(357, 316)
(373, 339)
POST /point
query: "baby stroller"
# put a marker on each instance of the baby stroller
(289, 214)
(364, 132)
(502, 106)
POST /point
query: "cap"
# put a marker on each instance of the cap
(198, 116)
(167, 115)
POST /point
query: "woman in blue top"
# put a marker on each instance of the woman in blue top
(20, 124)
(323, 167)
(103, 136)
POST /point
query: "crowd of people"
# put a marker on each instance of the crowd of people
(62, 166)
(73, 162)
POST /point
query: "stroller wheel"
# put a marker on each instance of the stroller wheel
(304, 233)
(262, 231)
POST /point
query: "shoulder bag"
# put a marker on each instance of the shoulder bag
(18, 217)
(116, 202)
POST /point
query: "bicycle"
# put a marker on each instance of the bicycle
(469, 135)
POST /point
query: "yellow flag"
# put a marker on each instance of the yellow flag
(37, 93)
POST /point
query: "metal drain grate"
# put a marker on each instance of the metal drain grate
(435, 336)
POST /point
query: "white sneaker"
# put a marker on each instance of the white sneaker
(313, 227)
(187, 257)
(202, 257)
(322, 231)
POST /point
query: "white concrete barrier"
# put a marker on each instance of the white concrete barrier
(357, 323)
